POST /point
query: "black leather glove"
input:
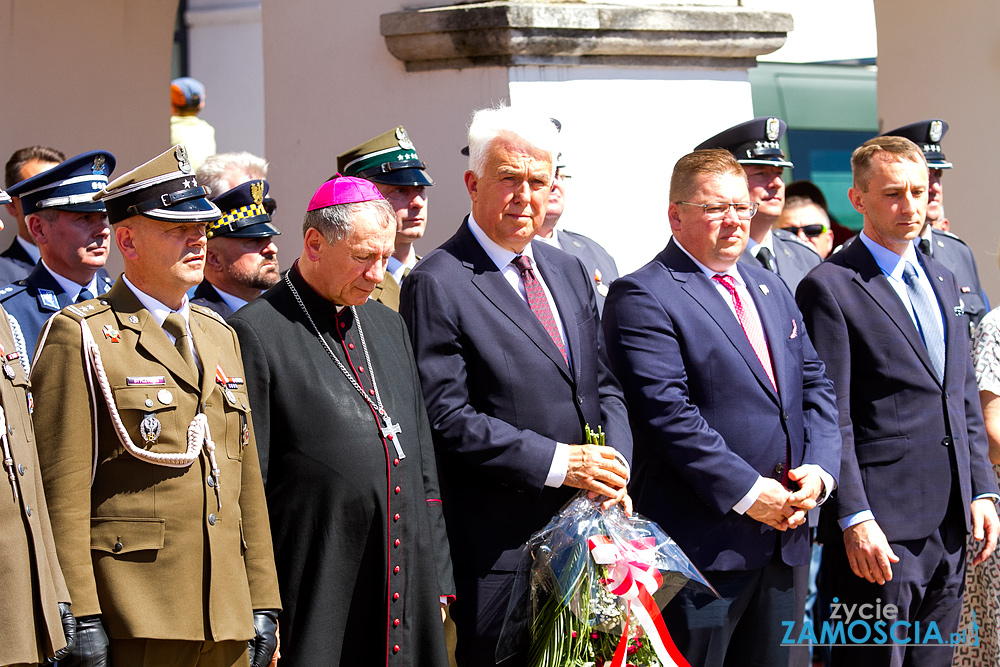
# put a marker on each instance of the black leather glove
(69, 630)
(265, 641)
(91, 649)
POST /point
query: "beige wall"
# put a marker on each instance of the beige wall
(82, 75)
(942, 60)
(330, 84)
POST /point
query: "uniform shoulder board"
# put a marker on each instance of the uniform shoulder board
(205, 310)
(950, 235)
(12, 289)
(89, 308)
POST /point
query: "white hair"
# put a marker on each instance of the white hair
(224, 171)
(521, 128)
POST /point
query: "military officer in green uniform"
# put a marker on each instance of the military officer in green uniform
(390, 161)
(35, 615)
(147, 449)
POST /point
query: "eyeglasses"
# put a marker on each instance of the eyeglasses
(812, 231)
(744, 209)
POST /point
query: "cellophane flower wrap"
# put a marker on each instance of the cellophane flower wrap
(590, 590)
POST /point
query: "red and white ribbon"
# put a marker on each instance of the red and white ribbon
(633, 578)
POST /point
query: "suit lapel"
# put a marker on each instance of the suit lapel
(488, 279)
(208, 354)
(871, 279)
(700, 288)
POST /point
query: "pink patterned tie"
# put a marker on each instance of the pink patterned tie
(538, 303)
(751, 327)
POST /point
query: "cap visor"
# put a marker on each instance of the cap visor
(193, 210)
(258, 230)
(769, 163)
(403, 177)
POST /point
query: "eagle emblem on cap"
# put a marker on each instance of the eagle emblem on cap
(257, 191)
(404, 139)
(182, 159)
(98, 167)
(771, 128)
(935, 131)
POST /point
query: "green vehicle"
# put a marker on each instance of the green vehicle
(831, 109)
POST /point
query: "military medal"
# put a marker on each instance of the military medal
(149, 428)
(389, 430)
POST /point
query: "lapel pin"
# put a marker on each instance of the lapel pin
(763, 288)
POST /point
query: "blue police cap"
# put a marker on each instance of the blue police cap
(69, 185)
(243, 212)
(926, 134)
(752, 142)
(4, 197)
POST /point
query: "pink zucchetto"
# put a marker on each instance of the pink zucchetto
(344, 190)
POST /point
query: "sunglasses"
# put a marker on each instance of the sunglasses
(812, 231)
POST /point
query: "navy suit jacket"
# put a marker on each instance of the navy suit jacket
(15, 263)
(499, 395)
(33, 300)
(705, 418)
(206, 295)
(903, 431)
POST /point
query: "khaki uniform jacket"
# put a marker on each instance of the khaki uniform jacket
(146, 546)
(31, 583)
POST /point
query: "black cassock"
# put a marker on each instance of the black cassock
(359, 535)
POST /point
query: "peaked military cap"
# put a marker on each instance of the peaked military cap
(70, 185)
(165, 188)
(752, 142)
(926, 134)
(389, 158)
(243, 212)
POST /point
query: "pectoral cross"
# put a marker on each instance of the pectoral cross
(387, 432)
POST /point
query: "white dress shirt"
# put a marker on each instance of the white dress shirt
(70, 287)
(160, 312)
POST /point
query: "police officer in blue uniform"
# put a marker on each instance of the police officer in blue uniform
(73, 237)
(939, 243)
(241, 258)
(755, 146)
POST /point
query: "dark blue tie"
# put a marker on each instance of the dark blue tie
(84, 295)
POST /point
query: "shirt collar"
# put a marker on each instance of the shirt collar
(501, 256)
(888, 261)
(234, 302)
(768, 243)
(31, 249)
(157, 309)
(551, 240)
(731, 271)
(70, 287)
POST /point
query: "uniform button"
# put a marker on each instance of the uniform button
(211, 519)
(946, 441)
(20, 469)
(149, 402)
(343, 325)
(395, 570)
(946, 395)
(117, 547)
(10, 429)
(395, 518)
(371, 391)
(211, 481)
(27, 510)
(579, 400)
(350, 346)
(395, 462)
(780, 468)
(395, 622)
(784, 416)
(397, 489)
(395, 544)
(395, 649)
(395, 596)
(361, 369)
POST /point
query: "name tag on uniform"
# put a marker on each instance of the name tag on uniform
(145, 381)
